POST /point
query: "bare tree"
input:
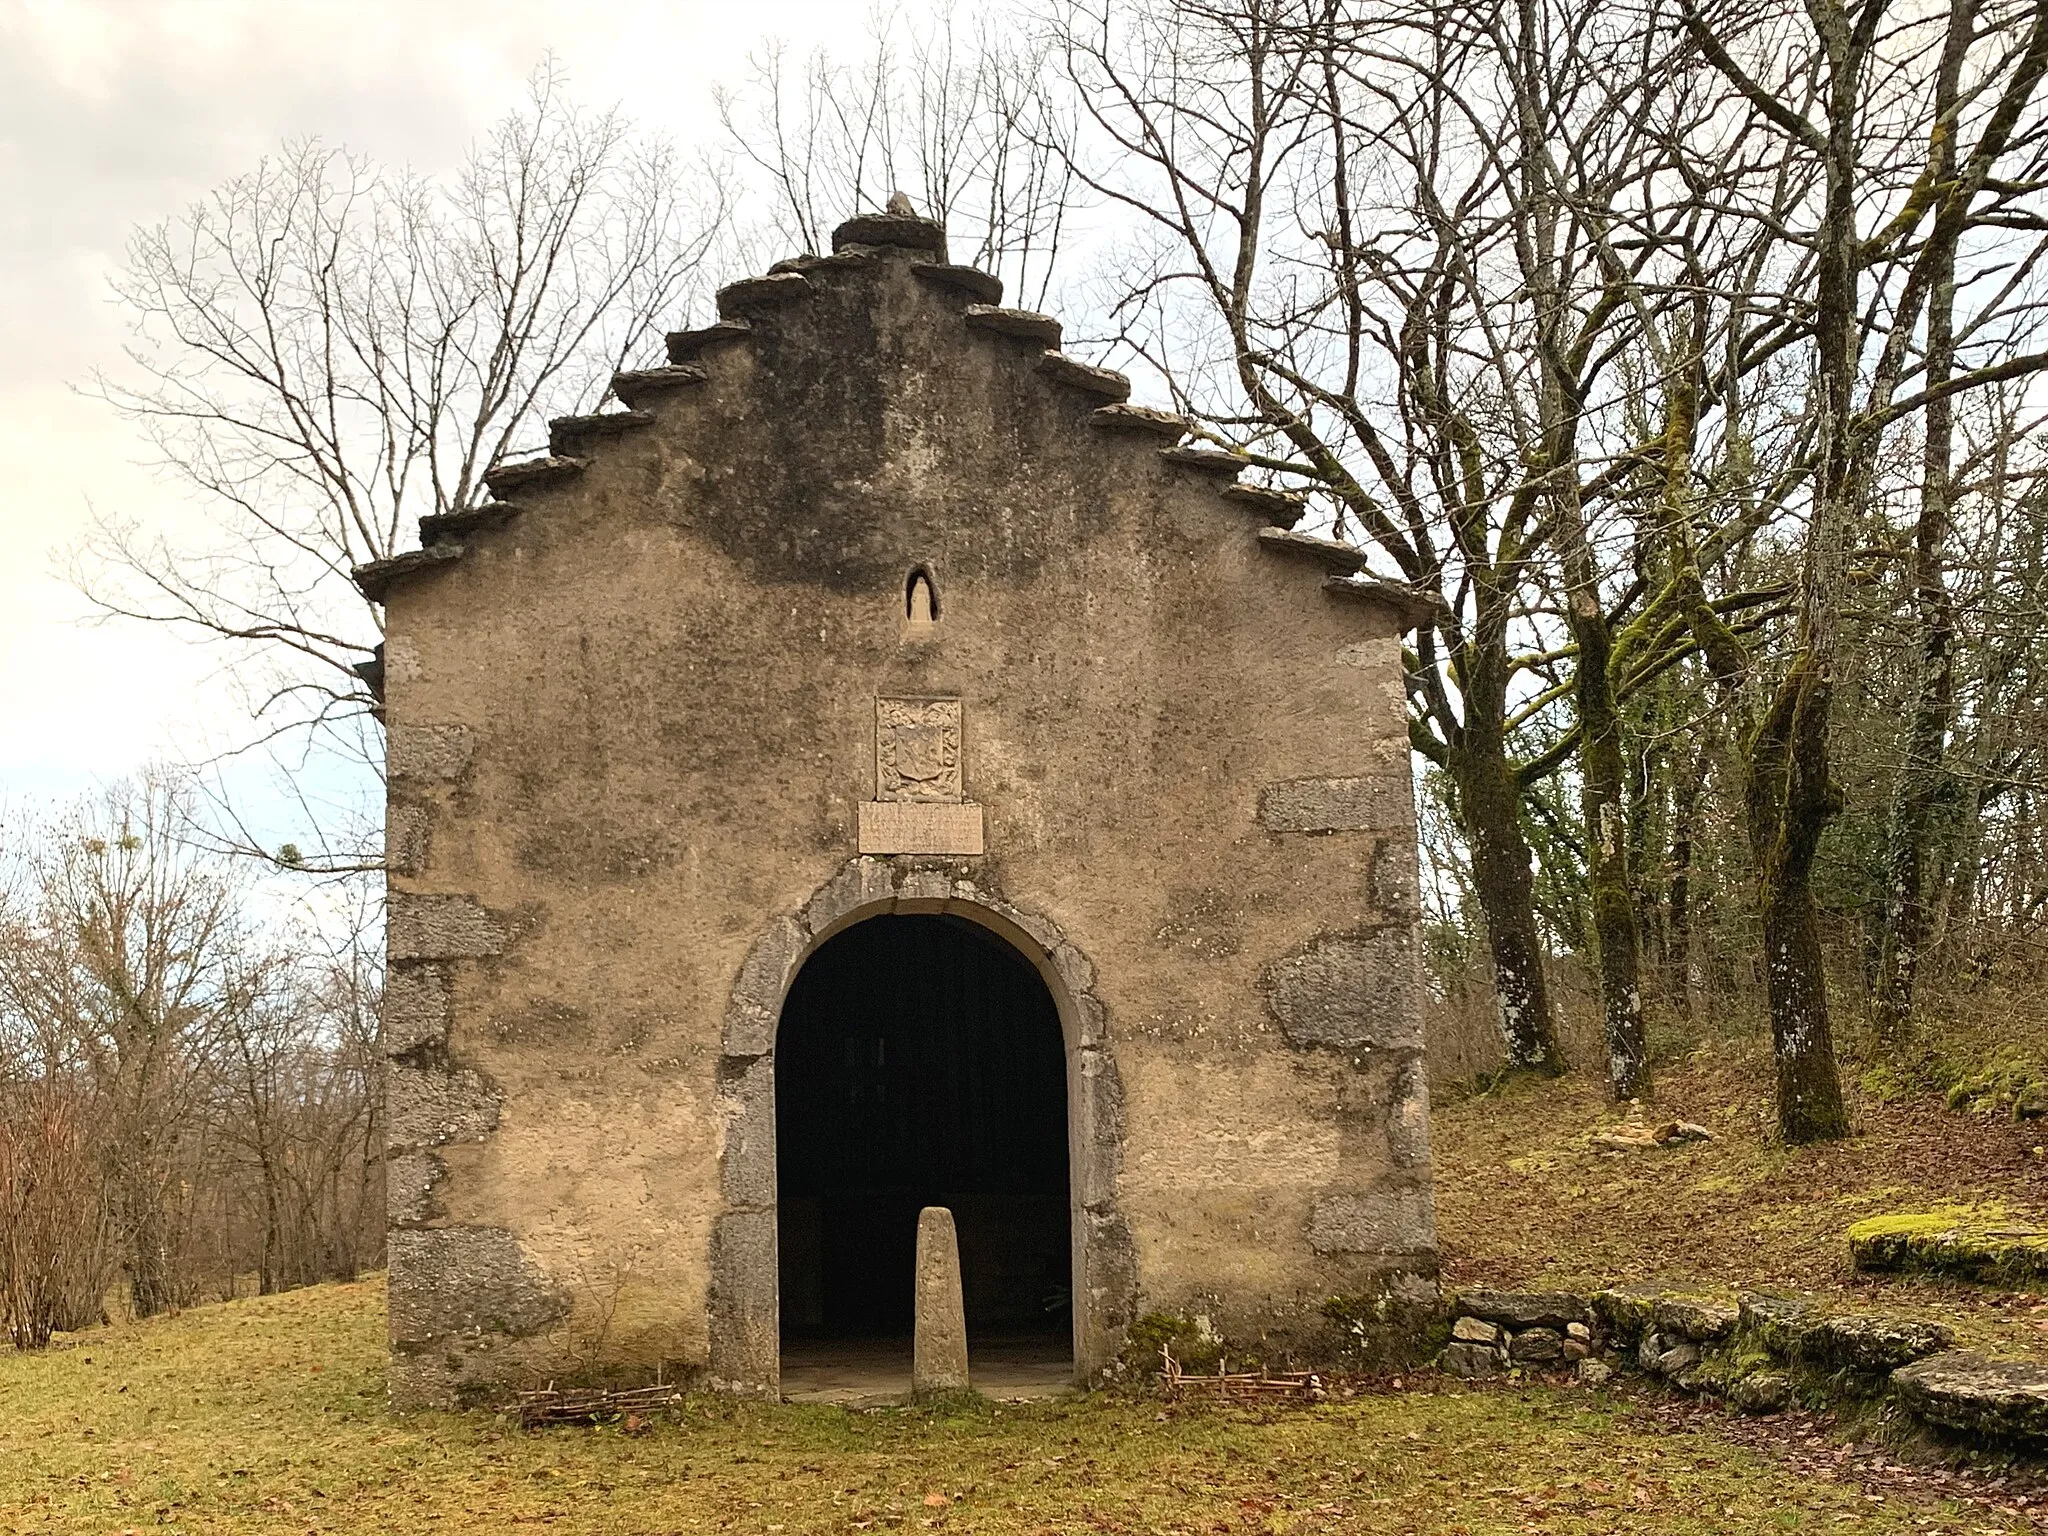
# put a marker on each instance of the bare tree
(1432, 239)
(189, 1084)
(52, 1222)
(1847, 89)
(1923, 782)
(124, 963)
(299, 1112)
(327, 350)
(1311, 270)
(963, 120)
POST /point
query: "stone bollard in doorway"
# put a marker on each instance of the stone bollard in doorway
(939, 1354)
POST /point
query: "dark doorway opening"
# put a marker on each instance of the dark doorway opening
(920, 1062)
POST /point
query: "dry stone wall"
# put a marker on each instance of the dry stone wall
(1763, 1354)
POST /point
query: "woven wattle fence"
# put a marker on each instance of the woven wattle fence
(1240, 1386)
(552, 1405)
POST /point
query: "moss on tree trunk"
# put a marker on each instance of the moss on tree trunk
(1490, 803)
(1789, 801)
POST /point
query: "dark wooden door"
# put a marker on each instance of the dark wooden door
(920, 1062)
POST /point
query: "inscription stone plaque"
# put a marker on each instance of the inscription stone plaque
(910, 826)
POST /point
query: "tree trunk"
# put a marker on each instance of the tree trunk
(1603, 774)
(1678, 965)
(1923, 788)
(151, 1286)
(1489, 800)
(1560, 405)
(1959, 900)
(1787, 789)
(1603, 767)
(1789, 800)
(267, 1261)
(1921, 797)
(1809, 1089)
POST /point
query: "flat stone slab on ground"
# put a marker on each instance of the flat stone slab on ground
(1962, 1390)
(1872, 1344)
(1968, 1245)
(1795, 1332)
(1626, 1309)
(1776, 1321)
(1695, 1318)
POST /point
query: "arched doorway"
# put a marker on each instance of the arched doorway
(919, 1061)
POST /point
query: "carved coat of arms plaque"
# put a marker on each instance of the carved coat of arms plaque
(917, 750)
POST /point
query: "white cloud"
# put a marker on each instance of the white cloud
(115, 113)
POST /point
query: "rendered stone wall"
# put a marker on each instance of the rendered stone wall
(633, 720)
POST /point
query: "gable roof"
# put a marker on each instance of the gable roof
(574, 440)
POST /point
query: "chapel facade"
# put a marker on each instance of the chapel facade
(879, 766)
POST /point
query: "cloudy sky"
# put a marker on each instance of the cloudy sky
(115, 113)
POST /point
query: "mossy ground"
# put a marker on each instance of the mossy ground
(268, 1416)
(1525, 1199)
(2002, 1078)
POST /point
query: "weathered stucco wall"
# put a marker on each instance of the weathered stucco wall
(631, 724)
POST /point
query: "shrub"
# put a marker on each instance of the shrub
(52, 1256)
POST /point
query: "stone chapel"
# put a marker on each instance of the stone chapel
(874, 767)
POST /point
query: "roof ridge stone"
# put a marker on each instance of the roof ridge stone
(633, 385)
(903, 231)
(1105, 383)
(1283, 509)
(736, 300)
(1140, 418)
(1415, 607)
(982, 287)
(375, 577)
(439, 527)
(839, 261)
(1210, 461)
(1332, 553)
(564, 432)
(1352, 580)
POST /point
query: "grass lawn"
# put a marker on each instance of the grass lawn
(268, 1416)
(1525, 1200)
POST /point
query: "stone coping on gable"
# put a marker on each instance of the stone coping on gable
(862, 243)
